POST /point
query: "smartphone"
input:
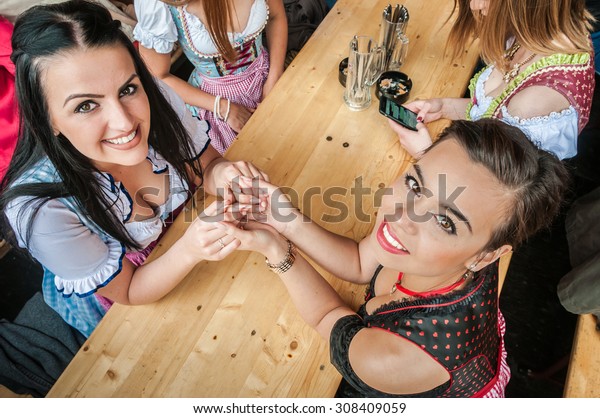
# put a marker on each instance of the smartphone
(398, 113)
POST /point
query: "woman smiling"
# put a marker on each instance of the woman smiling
(430, 325)
(105, 159)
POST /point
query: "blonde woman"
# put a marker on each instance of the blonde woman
(233, 70)
(539, 77)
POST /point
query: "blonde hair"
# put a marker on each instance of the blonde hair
(218, 18)
(538, 25)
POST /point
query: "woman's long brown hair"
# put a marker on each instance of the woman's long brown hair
(218, 18)
(537, 25)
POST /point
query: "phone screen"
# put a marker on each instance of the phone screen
(398, 113)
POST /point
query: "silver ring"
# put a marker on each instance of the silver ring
(221, 242)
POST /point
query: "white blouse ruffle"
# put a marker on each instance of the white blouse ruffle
(156, 30)
(108, 270)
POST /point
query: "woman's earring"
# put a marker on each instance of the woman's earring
(470, 271)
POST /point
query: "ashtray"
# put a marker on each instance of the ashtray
(395, 85)
(343, 71)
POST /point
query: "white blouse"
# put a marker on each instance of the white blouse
(157, 30)
(556, 132)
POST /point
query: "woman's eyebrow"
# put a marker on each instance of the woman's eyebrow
(446, 206)
(459, 215)
(96, 96)
(419, 174)
(79, 95)
(134, 75)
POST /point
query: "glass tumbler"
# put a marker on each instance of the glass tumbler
(365, 65)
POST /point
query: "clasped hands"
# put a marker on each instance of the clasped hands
(250, 216)
(251, 219)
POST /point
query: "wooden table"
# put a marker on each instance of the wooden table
(229, 329)
(583, 378)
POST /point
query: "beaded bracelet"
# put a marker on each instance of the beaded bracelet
(287, 262)
(227, 111)
(217, 107)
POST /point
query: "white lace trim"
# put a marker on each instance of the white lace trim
(147, 39)
(148, 230)
(483, 101)
(108, 270)
(563, 115)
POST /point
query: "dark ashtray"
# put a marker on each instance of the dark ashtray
(343, 71)
(395, 85)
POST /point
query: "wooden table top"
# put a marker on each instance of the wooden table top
(229, 329)
(583, 377)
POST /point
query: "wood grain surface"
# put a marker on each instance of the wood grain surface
(583, 377)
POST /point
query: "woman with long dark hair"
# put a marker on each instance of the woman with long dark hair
(106, 157)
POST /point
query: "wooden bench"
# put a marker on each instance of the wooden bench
(583, 377)
(502, 270)
(4, 247)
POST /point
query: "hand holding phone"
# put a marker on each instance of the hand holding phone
(398, 113)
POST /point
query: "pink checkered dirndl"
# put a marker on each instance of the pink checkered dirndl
(244, 88)
(497, 390)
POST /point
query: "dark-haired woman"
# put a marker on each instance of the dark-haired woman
(430, 325)
(106, 156)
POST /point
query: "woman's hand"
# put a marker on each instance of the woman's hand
(270, 83)
(275, 207)
(254, 236)
(238, 115)
(440, 108)
(413, 142)
(224, 178)
(427, 110)
(206, 238)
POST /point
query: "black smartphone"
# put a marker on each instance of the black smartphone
(397, 113)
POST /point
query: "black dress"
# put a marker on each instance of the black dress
(459, 329)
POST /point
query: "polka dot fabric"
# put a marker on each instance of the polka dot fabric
(458, 329)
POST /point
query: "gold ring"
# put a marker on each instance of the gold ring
(221, 242)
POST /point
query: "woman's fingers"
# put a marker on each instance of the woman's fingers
(255, 172)
(239, 178)
(225, 243)
(423, 112)
(223, 211)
